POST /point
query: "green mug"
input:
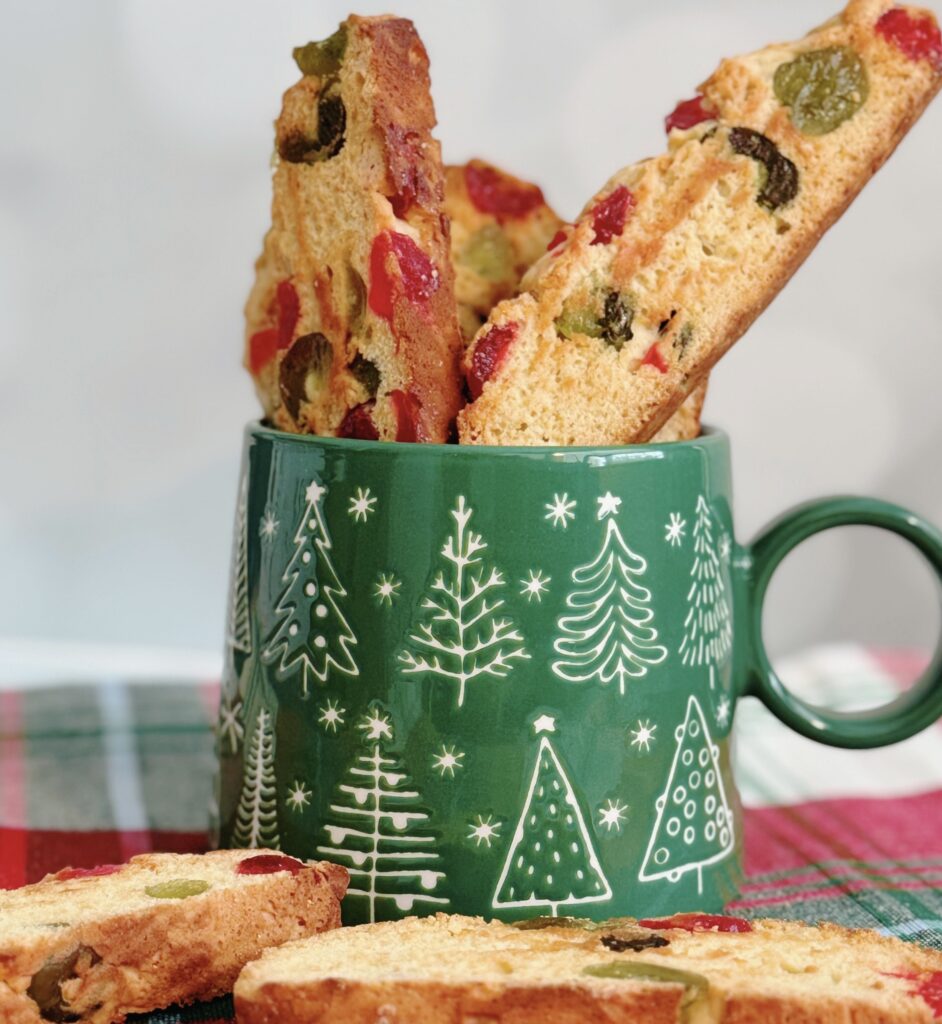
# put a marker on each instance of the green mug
(501, 681)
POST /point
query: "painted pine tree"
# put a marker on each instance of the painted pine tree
(694, 826)
(256, 822)
(608, 634)
(375, 830)
(313, 637)
(708, 633)
(551, 861)
(464, 639)
(237, 629)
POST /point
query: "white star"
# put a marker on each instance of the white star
(331, 715)
(230, 723)
(314, 492)
(536, 585)
(560, 510)
(675, 529)
(268, 525)
(722, 711)
(724, 546)
(376, 727)
(612, 814)
(608, 505)
(643, 736)
(545, 723)
(485, 830)
(386, 588)
(447, 761)
(361, 506)
(299, 796)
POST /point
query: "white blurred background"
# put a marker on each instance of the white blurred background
(134, 191)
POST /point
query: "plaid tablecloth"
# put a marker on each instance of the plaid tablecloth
(92, 774)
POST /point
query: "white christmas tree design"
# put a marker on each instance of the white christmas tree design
(313, 636)
(608, 634)
(373, 830)
(694, 826)
(464, 639)
(237, 628)
(551, 861)
(257, 814)
(708, 632)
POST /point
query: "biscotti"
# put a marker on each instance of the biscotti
(676, 256)
(692, 968)
(93, 945)
(351, 326)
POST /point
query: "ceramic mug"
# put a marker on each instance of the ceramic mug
(501, 681)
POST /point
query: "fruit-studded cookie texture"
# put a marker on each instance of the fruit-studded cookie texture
(701, 969)
(672, 260)
(351, 326)
(93, 945)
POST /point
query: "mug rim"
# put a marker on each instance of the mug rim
(709, 437)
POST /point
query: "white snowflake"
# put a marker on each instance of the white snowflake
(268, 525)
(362, 505)
(612, 814)
(608, 505)
(376, 726)
(725, 546)
(230, 724)
(536, 586)
(722, 711)
(331, 715)
(560, 510)
(643, 735)
(447, 761)
(299, 796)
(484, 830)
(674, 529)
(386, 588)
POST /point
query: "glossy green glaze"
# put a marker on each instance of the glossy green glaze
(501, 681)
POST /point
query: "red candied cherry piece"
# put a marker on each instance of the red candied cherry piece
(262, 348)
(418, 278)
(268, 864)
(917, 36)
(686, 114)
(66, 874)
(489, 353)
(407, 408)
(927, 986)
(264, 344)
(653, 357)
(557, 239)
(609, 215)
(495, 193)
(698, 923)
(358, 423)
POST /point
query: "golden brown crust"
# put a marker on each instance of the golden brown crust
(148, 952)
(696, 240)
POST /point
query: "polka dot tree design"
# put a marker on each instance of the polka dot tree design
(694, 826)
(313, 636)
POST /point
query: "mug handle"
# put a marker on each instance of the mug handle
(910, 713)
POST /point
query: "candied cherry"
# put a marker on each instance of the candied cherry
(497, 194)
(67, 874)
(489, 353)
(654, 357)
(268, 864)
(265, 343)
(358, 423)
(698, 923)
(686, 114)
(610, 214)
(915, 35)
(557, 239)
(418, 278)
(407, 408)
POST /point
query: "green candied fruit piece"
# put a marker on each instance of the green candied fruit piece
(488, 253)
(538, 923)
(177, 888)
(366, 372)
(616, 321)
(822, 88)
(575, 320)
(696, 985)
(324, 57)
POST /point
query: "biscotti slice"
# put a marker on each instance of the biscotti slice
(351, 326)
(692, 969)
(500, 226)
(92, 945)
(676, 256)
